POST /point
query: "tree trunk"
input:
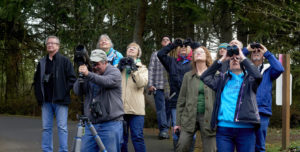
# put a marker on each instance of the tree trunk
(12, 60)
(242, 33)
(225, 26)
(140, 22)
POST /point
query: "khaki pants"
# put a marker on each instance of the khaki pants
(186, 138)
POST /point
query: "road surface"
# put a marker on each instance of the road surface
(23, 134)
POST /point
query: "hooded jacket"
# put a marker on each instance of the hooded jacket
(246, 110)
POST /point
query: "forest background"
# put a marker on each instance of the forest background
(25, 24)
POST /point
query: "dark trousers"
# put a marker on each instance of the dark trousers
(160, 106)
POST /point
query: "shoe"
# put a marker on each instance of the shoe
(163, 135)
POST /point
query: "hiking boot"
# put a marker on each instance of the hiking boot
(163, 135)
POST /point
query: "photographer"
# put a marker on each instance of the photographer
(53, 80)
(235, 114)
(134, 79)
(103, 104)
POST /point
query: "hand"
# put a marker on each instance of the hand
(225, 57)
(249, 48)
(263, 49)
(178, 42)
(83, 69)
(176, 127)
(241, 54)
(152, 88)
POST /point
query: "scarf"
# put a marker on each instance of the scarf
(185, 59)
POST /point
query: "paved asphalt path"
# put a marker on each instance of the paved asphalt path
(23, 134)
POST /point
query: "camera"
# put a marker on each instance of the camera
(177, 132)
(127, 63)
(81, 57)
(231, 50)
(255, 45)
(47, 78)
(95, 108)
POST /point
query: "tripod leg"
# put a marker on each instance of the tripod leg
(97, 138)
(77, 139)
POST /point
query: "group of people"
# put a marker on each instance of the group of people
(228, 100)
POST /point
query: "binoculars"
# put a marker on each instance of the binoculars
(231, 50)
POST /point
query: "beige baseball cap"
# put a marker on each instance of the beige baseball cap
(98, 55)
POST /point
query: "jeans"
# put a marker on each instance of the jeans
(243, 139)
(261, 134)
(136, 125)
(110, 133)
(61, 114)
(159, 98)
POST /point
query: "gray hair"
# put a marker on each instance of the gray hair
(240, 43)
(52, 37)
(104, 36)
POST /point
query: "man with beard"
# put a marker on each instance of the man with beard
(270, 72)
(102, 89)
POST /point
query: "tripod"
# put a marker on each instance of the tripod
(83, 121)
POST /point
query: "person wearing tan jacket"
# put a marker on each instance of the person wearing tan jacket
(134, 79)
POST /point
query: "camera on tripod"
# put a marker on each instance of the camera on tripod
(128, 64)
(231, 50)
(81, 57)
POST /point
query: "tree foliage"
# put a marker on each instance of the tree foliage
(24, 25)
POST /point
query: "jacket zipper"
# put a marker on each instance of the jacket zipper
(240, 101)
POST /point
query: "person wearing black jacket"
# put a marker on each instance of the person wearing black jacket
(235, 114)
(176, 68)
(53, 80)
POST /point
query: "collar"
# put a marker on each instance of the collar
(235, 76)
(53, 58)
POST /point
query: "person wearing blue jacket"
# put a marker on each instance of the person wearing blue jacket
(105, 44)
(270, 72)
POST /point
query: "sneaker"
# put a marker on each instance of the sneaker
(163, 135)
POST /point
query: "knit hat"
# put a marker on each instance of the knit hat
(223, 45)
(195, 45)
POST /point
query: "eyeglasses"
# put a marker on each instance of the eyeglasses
(132, 47)
(235, 58)
(199, 52)
(94, 64)
(51, 43)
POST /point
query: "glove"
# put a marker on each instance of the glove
(187, 42)
(195, 45)
(178, 42)
(126, 62)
